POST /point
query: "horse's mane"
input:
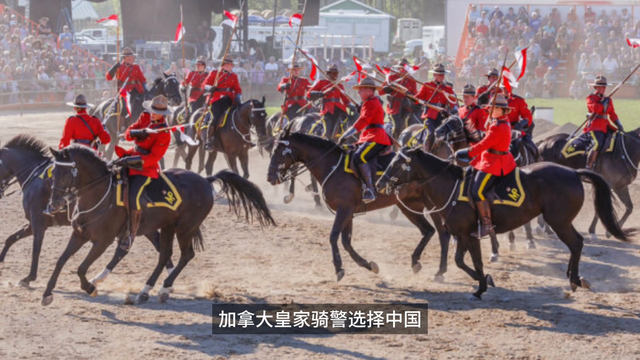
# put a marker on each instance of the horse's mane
(86, 151)
(437, 165)
(314, 141)
(634, 133)
(29, 143)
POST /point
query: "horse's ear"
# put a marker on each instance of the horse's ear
(264, 99)
(287, 130)
(56, 154)
(165, 74)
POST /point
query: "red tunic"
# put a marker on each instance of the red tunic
(151, 149)
(75, 129)
(474, 114)
(434, 97)
(228, 85)
(196, 80)
(395, 98)
(131, 72)
(372, 113)
(333, 99)
(498, 138)
(520, 110)
(600, 122)
(296, 94)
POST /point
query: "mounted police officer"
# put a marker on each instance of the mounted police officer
(473, 116)
(491, 160)
(436, 93)
(295, 89)
(399, 107)
(521, 120)
(226, 93)
(373, 139)
(83, 128)
(143, 160)
(194, 85)
(127, 71)
(334, 103)
(485, 92)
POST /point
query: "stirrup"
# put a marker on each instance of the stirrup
(367, 199)
(126, 242)
(49, 211)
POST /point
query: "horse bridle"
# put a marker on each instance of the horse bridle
(6, 183)
(406, 167)
(71, 191)
(294, 172)
(459, 136)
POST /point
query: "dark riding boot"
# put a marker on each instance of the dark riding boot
(428, 144)
(369, 193)
(592, 156)
(486, 225)
(213, 142)
(134, 223)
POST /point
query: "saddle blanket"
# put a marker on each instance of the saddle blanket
(507, 191)
(160, 192)
(579, 145)
(382, 161)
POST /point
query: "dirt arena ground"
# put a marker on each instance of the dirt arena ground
(530, 314)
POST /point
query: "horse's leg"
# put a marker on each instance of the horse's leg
(191, 153)
(244, 162)
(186, 254)
(346, 242)
(625, 197)
(202, 153)
(475, 251)
(461, 250)
(592, 228)
(343, 217)
(427, 232)
(231, 161)
(315, 192)
(38, 226)
(574, 241)
(165, 251)
(12, 239)
(179, 153)
(530, 243)
(97, 249)
(211, 159)
(112, 145)
(495, 245)
(75, 243)
(512, 241)
(292, 190)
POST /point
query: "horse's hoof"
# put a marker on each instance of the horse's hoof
(374, 267)
(474, 298)
(142, 298)
(439, 278)
(490, 281)
(47, 300)
(574, 286)
(94, 293)
(453, 241)
(585, 284)
(494, 258)
(288, 198)
(163, 295)
(540, 231)
(340, 275)
(608, 235)
(416, 267)
(512, 247)
(100, 277)
(531, 245)
(308, 188)
(594, 237)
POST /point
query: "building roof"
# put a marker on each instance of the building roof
(83, 10)
(353, 7)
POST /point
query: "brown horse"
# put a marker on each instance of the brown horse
(342, 193)
(619, 167)
(554, 191)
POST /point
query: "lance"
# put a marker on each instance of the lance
(293, 59)
(117, 105)
(420, 101)
(226, 51)
(187, 91)
(495, 95)
(451, 98)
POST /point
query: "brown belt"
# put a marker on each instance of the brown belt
(497, 152)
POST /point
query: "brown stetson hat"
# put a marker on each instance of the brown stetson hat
(332, 68)
(80, 102)
(128, 52)
(501, 102)
(158, 105)
(469, 90)
(202, 61)
(366, 83)
(600, 81)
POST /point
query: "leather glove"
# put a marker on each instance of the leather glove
(346, 135)
(516, 134)
(387, 89)
(114, 69)
(285, 87)
(619, 125)
(605, 102)
(315, 95)
(353, 108)
(133, 162)
(139, 134)
(238, 99)
(463, 155)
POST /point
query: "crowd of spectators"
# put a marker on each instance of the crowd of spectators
(560, 48)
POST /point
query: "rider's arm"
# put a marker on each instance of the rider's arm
(490, 139)
(139, 124)
(102, 134)
(158, 149)
(67, 135)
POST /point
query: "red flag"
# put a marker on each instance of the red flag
(127, 100)
(521, 56)
(348, 77)
(295, 19)
(361, 74)
(179, 31)
(232, 19)
(634, 43)
(411, 68)
(111, 17)
(509, 80)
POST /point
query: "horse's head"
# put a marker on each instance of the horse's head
(75, 168)
(259, 118)
(5, 173)
(451, 130)
(20, 158)
(398, 172)
(168, 86)
(283, 157)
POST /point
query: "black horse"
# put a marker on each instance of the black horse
(619, 167)
(106, 111)
(80, 172)
(456, 134)
(554, 191)
(26, 159)
(234, 135)
(342, 193)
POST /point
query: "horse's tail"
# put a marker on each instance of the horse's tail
(603, 202)
(198, 240)
(243, 192)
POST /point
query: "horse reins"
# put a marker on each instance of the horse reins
(292, 173)
(6, 183)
